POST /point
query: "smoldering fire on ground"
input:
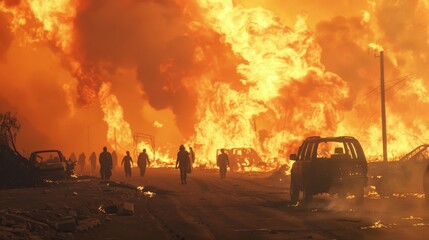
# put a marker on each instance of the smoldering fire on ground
(213, 74)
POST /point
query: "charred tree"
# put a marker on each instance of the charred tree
(14, 168)
(9, 128)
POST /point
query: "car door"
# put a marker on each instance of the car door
(297, 168)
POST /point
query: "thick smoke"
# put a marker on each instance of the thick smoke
(151, 35)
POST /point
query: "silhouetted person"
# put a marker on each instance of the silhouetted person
(72, 157)
(182, 162)
(106, 162)
(93, 160)
(127, 162)
(115, 159)
(81, 162)
(191, 159)
(142, 161)
(222, 162)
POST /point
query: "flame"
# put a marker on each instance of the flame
(158, 124)
(119, 131)
(377, 224)
(376, 47)
(406, 195)
(56, 18)
(372, 193)
(281, 95)
(279, 62)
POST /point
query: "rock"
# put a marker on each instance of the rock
(86, 224)
(127, 209)
(64, 224)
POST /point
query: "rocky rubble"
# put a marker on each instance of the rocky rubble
(64, 208)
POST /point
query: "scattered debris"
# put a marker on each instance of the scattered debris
(122, 185)
(62, 217)
(149, 194)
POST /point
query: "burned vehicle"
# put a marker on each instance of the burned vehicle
(50, 165)
(404, 175)
(241, 157)
(328, 165)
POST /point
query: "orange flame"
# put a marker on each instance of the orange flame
(278, 61)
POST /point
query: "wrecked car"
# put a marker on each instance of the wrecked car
(241, 157)
(328, 165)
(51, 165)
(403, 175)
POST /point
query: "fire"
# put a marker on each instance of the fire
(119, 130)
(56, 18)
(377, 224)
(275, 92)
(279, 62)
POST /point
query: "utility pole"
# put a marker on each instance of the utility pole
(383, 106)
(89, 140)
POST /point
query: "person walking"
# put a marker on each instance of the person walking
(105, 160)
(182, 162)
(222, 162)
(191, 159)
(93, 160)
(142, 162)
(127, 162)
(81, 161)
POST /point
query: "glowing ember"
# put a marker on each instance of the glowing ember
(149, 194)
(412, 218)
(376, 225)
(406, 195)
(372, 194)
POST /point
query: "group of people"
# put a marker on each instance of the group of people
(184, 162)
(81, 162)
(106, 162)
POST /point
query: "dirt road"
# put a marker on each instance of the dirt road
(256, 206)
(242, 206)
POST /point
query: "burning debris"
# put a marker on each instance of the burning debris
(376, 225)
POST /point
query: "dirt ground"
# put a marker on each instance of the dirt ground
(242, 206)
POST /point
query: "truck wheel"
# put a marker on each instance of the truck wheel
(308, 195)
(294, 192)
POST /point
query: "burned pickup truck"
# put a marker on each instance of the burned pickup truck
(328, 165)
(48, 165)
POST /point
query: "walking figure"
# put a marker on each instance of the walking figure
(81, 162)
(127, 162)
(182, 162)
(192, 159)
(142, 161)
(222, 163)
(105, 160)
(93, 160)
